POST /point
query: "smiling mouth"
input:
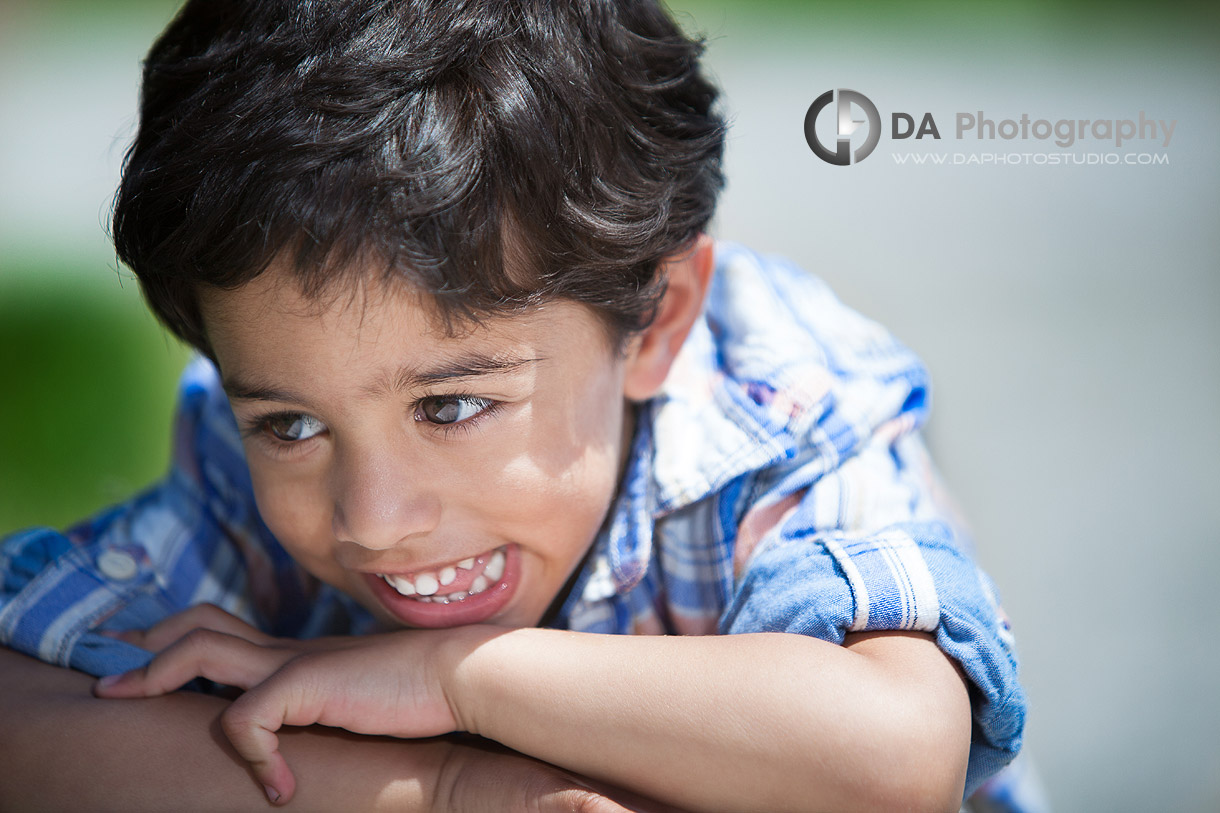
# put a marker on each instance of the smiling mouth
(452, 583)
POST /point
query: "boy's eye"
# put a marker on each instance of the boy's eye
(447, 409)
(291, 427)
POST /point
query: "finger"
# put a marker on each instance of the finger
(221, 658)
(251, 722)
(200, 616)
(603, 796)
(276, 777)
(597, 797)
(484, 778)
(580, 800)
(260, 747)
(135, 637)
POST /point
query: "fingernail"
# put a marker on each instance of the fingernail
(109, 680)
(272, 793)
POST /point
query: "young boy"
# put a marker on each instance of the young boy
(477, 395)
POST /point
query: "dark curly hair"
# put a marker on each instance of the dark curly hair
(494, 153)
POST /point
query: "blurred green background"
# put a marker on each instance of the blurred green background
(88, 392)
(86, 375)
(1070, 317)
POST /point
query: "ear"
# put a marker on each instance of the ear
(651, 353)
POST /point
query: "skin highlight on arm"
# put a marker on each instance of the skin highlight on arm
(744, 722)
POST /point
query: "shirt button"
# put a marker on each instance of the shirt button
(117, 565)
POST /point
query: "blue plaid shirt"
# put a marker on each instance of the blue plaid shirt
(777, 483)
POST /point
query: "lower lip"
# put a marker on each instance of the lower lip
(470, 610)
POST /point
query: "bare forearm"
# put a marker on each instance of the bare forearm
(66, 750)
(746, 722)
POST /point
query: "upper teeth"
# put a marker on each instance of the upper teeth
(426, 584)
(495, 568)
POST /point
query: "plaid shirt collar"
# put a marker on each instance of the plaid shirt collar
(751, 387)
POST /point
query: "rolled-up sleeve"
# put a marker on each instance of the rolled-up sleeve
(871, 546)
(193, 537)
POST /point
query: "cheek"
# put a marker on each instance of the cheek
(583, 426)
(557, 497)
(294, 509)
(565, 447)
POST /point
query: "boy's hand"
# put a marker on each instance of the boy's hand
(389, 684)
(484, 777)
(210, 617)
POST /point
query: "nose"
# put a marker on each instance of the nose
(381, 502)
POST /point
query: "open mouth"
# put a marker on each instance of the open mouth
(456, 582)
(465, 592)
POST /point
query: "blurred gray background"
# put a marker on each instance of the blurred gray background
(1069, 315)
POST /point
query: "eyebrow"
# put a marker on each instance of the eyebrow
(471, 366)
(408, 377)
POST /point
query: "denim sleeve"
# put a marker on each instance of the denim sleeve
(61, 590)
(194, 537)
(867, 548)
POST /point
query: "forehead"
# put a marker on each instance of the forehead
(275, 301)
(376, 333)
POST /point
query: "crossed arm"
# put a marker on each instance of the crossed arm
(737, 722)
(66, 750)
(743, 722)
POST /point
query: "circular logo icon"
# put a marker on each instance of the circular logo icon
(846, 126)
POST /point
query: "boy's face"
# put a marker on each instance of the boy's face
(437, 480)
